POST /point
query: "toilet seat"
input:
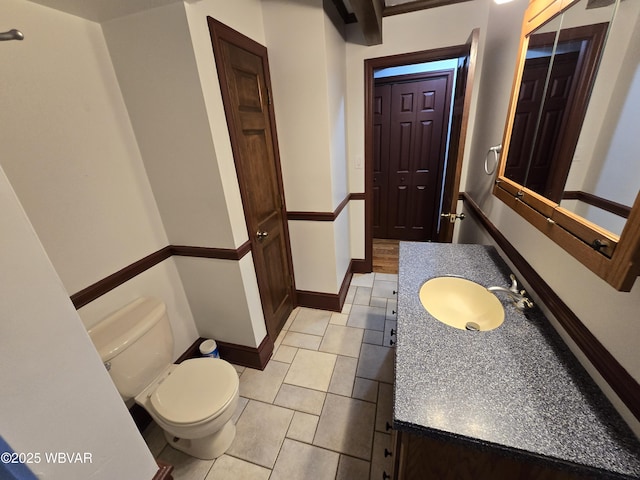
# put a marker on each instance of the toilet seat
(196, 391)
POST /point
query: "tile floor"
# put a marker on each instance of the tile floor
(320, 407)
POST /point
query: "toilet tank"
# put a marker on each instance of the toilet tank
(135, 343)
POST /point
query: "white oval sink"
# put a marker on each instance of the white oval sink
(461, 303)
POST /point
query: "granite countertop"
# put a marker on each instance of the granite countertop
(516, 388)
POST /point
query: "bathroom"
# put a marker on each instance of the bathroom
(107, 176)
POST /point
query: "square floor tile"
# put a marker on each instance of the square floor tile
(378, 302)
(299, 460)
(339, 319)
(343, 376)
(226, 467)
(242, 403)
(364, 316)
(376, 363)
(350, 468)
(346, 426)
(285, 354)
(301, 399)
(351, 294)
(387, 277)
(382, 288)
(373, 336)
(363, 296)
(342, 340)
(303, 427)
(311, 369)
(302, 340)
(260, 432)
(365, 389)
(264, 384)
(363, 279)
(185, 466)
(310, 321)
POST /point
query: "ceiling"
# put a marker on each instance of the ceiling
(367, 13)
(103, 10)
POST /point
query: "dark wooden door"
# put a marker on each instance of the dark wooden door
(409, 176)
(381, 128)
(552, 120)
(243, 72)
(525, 121)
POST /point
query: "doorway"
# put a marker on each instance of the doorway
(243, 72)
(411, 126)
(449, 175)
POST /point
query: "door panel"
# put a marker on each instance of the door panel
(418, 128)
(381, 124)
(244, 79)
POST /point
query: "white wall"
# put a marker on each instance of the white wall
(154, 61)
(610, 315)
(56, 394)
(67, 146)
(70, 152)
(295, 35)
(165, 65)
(307, 59)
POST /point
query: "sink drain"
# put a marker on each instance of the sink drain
(472, 326)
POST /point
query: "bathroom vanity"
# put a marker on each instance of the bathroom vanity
(512, 402)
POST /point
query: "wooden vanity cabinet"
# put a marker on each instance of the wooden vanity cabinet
(422, 458)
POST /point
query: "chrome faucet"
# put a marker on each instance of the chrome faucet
(518, 296)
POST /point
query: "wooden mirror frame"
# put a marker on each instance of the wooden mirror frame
(615, 260)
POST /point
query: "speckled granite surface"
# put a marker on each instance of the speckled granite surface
(516, 388)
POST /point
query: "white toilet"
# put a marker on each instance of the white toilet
(193, 402)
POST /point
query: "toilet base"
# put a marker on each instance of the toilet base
(206, 448)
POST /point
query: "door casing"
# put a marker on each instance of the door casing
(454, 168)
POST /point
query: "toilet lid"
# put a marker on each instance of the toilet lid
(196, 390)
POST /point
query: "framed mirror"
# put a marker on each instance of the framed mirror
(569, 162)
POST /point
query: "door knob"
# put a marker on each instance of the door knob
(261, 235)
(452, 216)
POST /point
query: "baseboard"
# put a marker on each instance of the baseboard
(359, 265)
(253, 357)
(164, 471)
(332, 301)
(247, 356)
(319, 300)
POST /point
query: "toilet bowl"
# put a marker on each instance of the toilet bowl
(193, 402)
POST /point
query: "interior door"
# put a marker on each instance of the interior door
(411, 161)
(243, 72)
(459, 122)
(381, 128)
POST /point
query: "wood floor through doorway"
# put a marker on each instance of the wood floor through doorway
(385, 255)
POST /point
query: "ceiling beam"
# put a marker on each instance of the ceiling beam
(369, 15)
(418, 5)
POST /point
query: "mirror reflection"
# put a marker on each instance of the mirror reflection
(574, 131)
(525, 142)
(604, 176)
